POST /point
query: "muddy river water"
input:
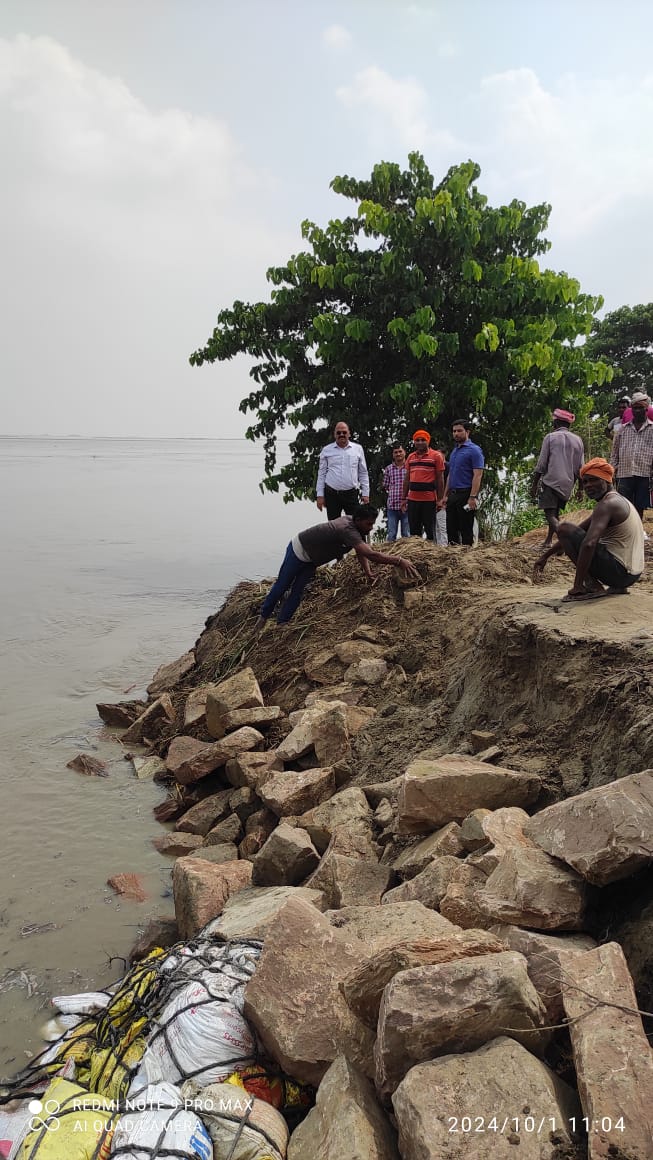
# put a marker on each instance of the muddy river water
(114, 552)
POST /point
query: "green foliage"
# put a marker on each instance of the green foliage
(424, 306)
(624, 341)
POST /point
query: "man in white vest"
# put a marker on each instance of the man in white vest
(608, 547)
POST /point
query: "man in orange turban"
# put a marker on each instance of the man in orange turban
(423, 485)
(608, 547)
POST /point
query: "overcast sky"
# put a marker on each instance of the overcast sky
(159, 155)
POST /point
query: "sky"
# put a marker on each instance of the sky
(160, 155)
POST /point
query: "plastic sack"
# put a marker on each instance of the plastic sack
(73, 1125)
(13, 1129)
(224, 968)
(161, 1125)
(274, 1087)
(241, 1127)
(195, 1035)
(83, 1004)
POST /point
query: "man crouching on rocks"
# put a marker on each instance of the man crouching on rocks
(607, 548)
(319, 545)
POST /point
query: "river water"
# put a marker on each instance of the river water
(115, 551)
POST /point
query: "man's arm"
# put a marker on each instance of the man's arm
(321, 476)
(365, 554)
(476, 487)
(535, 483)
(439, 485)
(614, 453)
(540, 467)
(406, 485)
(363, 477)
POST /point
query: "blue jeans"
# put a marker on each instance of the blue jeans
(394, 515)
(294, 574)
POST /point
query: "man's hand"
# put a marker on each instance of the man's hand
(472, 500)
(538, 569)
(365, 499)
(320, 504)
(409, 569)
(442, 503)
(539, 565)
(404, 505)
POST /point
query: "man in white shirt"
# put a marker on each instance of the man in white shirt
(341, 474)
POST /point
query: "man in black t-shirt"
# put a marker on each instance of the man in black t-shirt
(318, 545)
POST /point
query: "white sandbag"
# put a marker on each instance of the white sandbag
(13, 1128)
(82, 1004)
(58, 1026)
(240, 1126)
(195, 1035)
(157, 1122)
(225, 969)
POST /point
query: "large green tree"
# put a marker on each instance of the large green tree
(424, 306)
(624, 340)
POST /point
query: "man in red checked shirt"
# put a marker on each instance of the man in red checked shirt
(423, 485)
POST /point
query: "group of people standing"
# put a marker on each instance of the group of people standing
(419, 486)
(422, 487)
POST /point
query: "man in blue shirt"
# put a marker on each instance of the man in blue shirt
(466, 463)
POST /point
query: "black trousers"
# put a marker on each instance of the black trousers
(460, 524)
(421, 517)
(338, 502)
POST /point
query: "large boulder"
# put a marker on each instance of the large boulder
(444, 789)
(258, 716)
(349, 881)
(605, 833)
(403, 922)
(228, 830)
(296, 791)
(294, 1002)
(286, 859)
(120, 714)
(240, 691)
(486, 1105)
(349, 652)
(429, 887)
(152, 723)
(249, 913)
(612, 1056)
(251, 769)
(542, 953)
(416, 858)
(331, 735)
(190, 760)
(456, 1006)
(167, 676)
(177, 844)
(201, 889)
(346, 1122)
(364, 988)
(347, 808)
(529, 888)
(203, 816)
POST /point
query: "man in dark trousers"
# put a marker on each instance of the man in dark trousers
(318, 545)
(557, 469)
(608, 547)
(342, 474)
(423, 485)
(466, 463)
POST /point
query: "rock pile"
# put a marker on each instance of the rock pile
(427, 963)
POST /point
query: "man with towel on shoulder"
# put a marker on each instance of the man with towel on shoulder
(607, 548)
